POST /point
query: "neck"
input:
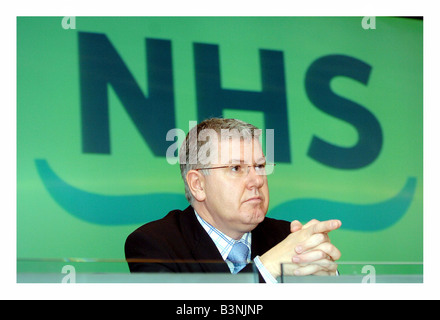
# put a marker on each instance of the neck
(205, 215)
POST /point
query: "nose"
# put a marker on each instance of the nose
(253, 179)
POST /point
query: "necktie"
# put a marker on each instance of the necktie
(238, 256)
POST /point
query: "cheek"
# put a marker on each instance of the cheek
(225, 194)
(232, 195)
(265, 191)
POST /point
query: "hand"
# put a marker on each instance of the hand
(304, 240)
(317, 256)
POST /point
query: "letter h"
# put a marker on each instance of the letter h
(212, 99)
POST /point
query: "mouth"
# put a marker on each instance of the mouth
(256, 199)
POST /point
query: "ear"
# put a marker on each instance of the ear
(196, 184)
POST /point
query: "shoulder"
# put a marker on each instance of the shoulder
(156, 242)
(167, 222)
(269, 233)
(166, 228)
(275, 225)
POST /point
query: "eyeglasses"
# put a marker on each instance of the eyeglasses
(242, 170)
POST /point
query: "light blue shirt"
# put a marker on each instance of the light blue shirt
(225, 243)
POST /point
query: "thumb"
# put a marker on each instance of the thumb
(295, 226)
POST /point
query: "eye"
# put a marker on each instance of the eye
(236, 169)
(260, 167)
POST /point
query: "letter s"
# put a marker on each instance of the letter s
(317, 85)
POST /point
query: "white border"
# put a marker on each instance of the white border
(11, 290)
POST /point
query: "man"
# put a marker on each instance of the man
(225, 227)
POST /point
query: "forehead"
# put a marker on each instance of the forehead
(239, 149)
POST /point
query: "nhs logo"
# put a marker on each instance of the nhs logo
(152, 113)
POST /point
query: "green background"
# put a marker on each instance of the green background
(49, 122)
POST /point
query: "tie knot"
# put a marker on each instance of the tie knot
(239, 253)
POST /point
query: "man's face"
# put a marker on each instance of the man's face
(236, 205)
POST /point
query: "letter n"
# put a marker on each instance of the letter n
(100, 65)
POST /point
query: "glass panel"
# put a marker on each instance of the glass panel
(77, 270)
(361, 272)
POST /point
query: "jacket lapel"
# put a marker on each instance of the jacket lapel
(204, 251)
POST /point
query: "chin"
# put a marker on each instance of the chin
(256, 216)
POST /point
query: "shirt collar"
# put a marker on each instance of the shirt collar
(223, 242)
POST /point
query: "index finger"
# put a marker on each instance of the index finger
(325, 226)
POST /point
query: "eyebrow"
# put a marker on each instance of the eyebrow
(259, 160)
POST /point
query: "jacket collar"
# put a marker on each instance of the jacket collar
(203, 249)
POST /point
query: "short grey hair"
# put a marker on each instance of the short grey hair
(189, 151)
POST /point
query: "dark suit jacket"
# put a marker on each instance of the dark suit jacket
(178, 243)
